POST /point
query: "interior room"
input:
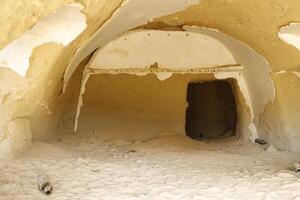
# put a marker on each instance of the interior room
(150, 99)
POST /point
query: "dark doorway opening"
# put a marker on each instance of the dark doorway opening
(212, 111)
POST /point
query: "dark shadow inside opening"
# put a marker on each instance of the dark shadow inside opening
(212, 110)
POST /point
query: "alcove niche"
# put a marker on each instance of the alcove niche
(196, 82)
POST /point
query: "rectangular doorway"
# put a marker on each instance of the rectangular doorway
(212, 110)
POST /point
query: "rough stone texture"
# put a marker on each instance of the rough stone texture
(19, 15)
(17, 139)
(37, 95)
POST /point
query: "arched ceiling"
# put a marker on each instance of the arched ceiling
(171, 49)
(254, 22)
(130, 14)
(205, 47)
(256, 26)
(193, 47)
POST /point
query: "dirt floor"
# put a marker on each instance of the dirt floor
(167, 167)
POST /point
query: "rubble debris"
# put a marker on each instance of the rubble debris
(44, 185)
(95, 170)
(297, 167)
(271, 149)
(131, 151)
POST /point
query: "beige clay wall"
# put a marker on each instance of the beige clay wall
(138, 107)
(38, 95)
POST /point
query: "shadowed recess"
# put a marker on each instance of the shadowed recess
(212, 110)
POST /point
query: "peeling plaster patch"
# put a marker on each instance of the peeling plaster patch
(281, 72)
(48, 111)
(62, 27)
(254, 79)
(290, 34)
(297, 74)
(164, 75)
(187, 51)
(85, 78)
(284, 71)
(257, 91)
(130, 14)
(253, 130)
(203, 47)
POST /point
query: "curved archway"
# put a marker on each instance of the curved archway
(187, 50)
(123, 19)
(253, 78)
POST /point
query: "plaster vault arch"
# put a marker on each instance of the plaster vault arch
(130, 14)
(194, 50)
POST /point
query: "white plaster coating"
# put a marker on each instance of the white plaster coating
(61, 27)
(119, 54)
(164, 75)
(297, 73)
(147, 70)
(130, 14)
(85, 78)
(281, 72)
(290, 34)
(187, 50)
(245, 91)
(254, 81)
(284, 71)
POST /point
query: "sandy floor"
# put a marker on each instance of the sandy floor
(169, 167)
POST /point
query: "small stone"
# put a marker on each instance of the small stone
(95, 170)
(44, 185)
(131, 151)
(271, 149)
(297, 167)
(260, 141)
